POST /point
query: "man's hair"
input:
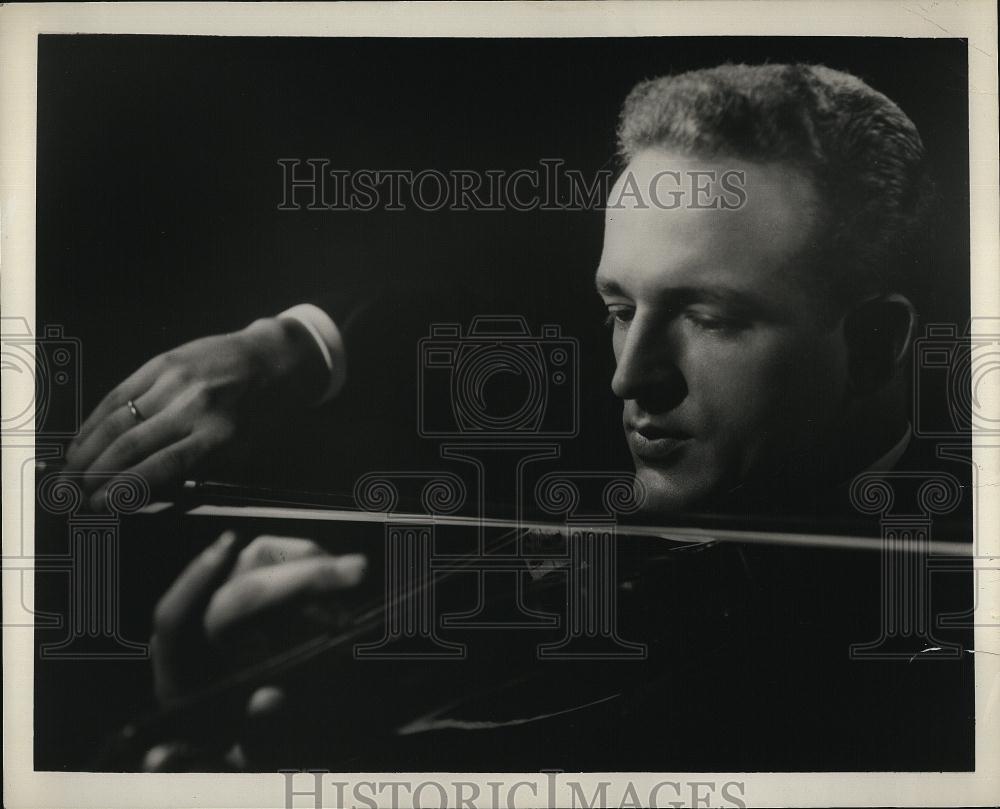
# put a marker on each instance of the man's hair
(862, 152)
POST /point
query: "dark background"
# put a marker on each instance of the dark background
(158, 184)
(157, 219)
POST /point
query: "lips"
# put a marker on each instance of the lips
(657, 444)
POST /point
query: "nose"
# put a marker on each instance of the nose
(647, 368)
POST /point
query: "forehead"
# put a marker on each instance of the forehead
(660, 230)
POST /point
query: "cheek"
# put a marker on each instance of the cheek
(762, 380)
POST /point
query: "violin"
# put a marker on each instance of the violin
(467, 682)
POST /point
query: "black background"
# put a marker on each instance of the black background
(157, 220)
(158, 184)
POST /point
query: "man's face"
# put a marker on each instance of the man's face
(723, 360)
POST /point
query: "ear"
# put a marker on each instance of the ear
(878, 333)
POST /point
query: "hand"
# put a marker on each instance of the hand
(225, 597)
(192, 400)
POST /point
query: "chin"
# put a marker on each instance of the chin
(670, 491)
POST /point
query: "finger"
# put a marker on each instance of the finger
(167, 391)
(163, 467)
(133, 387)
(241, 599)
(117, 426)
(140, 442)
(187, 596)
(99, 438)
(267, 550)
(176, 657)
(122, 422)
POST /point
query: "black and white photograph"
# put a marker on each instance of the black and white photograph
(611, 411)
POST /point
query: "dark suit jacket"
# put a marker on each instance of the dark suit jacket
(749, 665)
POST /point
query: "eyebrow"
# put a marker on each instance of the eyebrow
(689, 294)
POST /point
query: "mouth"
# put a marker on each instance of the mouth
(655, 444)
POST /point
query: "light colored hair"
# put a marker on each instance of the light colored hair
(861, 151)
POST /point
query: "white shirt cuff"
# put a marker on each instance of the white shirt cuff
(329, 341)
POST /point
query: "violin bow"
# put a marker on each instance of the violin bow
(238, 502)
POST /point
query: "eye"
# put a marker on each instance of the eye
(716, 323)
(619, 314)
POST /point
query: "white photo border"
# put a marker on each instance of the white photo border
(20, 25)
